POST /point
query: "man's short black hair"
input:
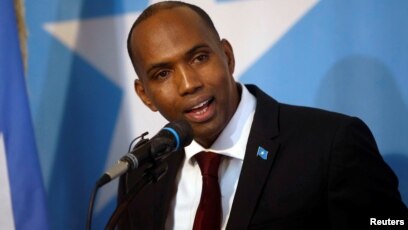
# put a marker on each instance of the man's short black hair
(157, 7)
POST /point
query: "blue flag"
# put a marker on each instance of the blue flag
(22, 197)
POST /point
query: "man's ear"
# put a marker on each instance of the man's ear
(230, 55)
(141, 92)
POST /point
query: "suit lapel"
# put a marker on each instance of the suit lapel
(154, 198)
(255, 169)
(165, 193)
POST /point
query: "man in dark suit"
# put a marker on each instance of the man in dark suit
(283, 166)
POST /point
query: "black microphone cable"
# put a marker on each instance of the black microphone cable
(101, 182)
(171, 138)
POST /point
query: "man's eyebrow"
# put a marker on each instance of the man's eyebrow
(193, 50)
(188, 54)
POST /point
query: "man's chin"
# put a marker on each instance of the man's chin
(206, 134)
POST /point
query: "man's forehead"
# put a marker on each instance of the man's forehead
(178, 24)
(170, 16)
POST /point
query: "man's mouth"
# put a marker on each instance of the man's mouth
(201, 112)
(200, 108)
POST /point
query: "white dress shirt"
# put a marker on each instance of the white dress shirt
(232, 144)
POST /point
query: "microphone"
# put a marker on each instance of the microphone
(172, 137)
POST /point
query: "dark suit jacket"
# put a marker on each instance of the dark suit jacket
(323, 171)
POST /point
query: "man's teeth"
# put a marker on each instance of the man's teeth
(202, 111)
(201, 104)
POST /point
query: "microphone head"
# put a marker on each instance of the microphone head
(183, 132)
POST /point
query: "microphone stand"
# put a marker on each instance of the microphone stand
(153, 174)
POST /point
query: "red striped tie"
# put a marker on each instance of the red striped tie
(208, 215)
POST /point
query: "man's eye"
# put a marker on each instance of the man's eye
(163, 74)
(201, 58)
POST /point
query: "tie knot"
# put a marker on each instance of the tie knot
(209, 163)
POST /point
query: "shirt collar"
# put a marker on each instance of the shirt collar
(233, 139)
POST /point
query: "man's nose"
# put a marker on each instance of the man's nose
(189, 80)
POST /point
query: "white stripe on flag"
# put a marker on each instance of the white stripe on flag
(6, 211)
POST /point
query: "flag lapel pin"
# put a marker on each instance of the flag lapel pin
(262, 153)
